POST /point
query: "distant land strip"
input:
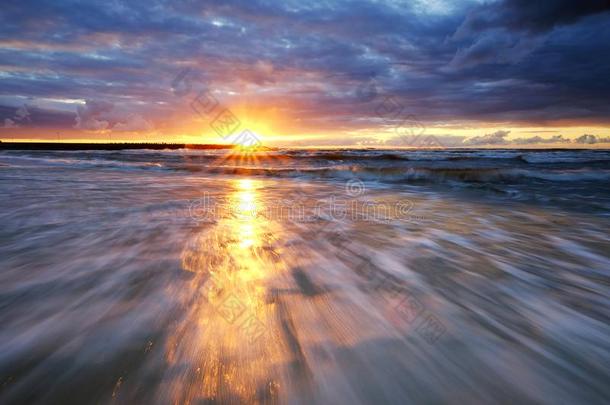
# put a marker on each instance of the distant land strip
(110, 146)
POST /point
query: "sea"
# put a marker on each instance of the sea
(305, 276)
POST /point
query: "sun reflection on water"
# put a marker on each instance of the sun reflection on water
(232, 264)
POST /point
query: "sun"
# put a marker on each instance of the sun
(247, 141)
(264, 121)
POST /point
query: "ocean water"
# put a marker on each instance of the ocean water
(305, 276)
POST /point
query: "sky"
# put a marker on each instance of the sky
(316, 73)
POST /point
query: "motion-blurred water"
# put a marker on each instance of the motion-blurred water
(305, 277)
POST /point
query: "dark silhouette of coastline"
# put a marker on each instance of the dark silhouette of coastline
(109, 146)
(75, 146)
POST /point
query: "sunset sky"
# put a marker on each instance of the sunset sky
(308, 73)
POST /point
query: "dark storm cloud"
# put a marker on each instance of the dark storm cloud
(511, 60)
(537, 16)
(507, 31)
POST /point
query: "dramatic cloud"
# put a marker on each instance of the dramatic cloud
(94, 115)
(525, 15)
(506, 32)
(500, 138)
(536, 140)
(591, 139)
(102, 115)
(311, 68)
(497, 138)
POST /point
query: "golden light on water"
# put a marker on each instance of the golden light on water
(247, 226)
(231, 267)
(245, 200)
(240, 233)
(252, 313)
